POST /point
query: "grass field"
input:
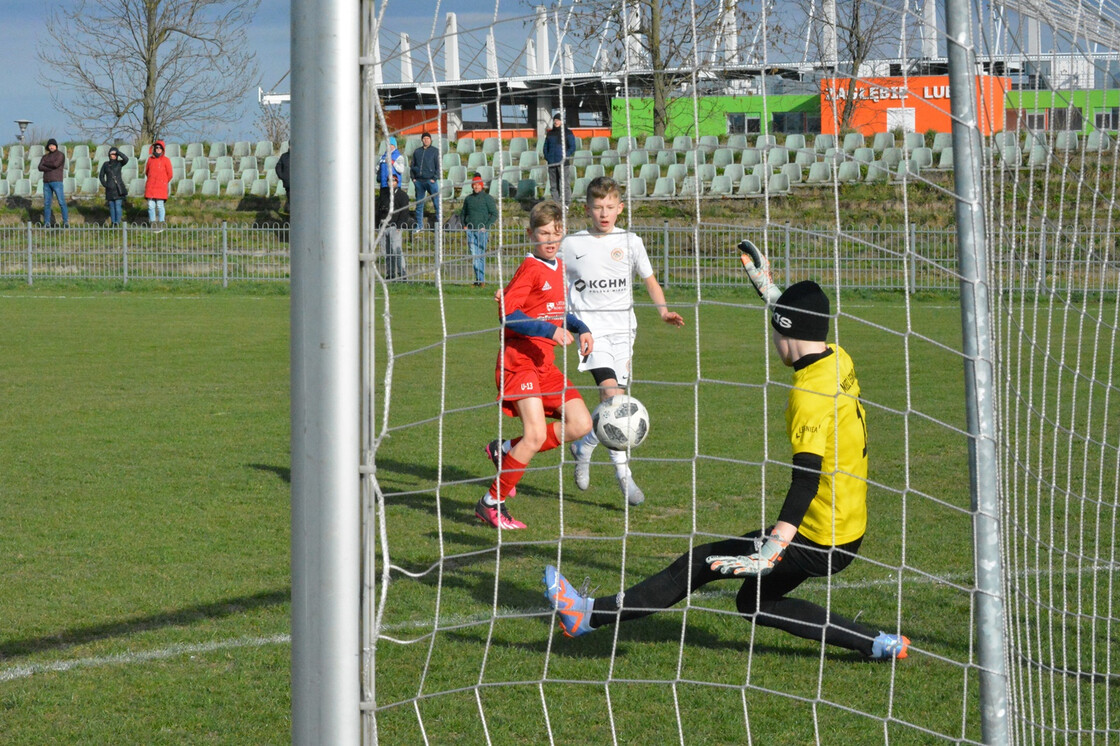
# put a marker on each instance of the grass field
(145, 516)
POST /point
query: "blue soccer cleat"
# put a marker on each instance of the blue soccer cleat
(889, 646)
(574, 608)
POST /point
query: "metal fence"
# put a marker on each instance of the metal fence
(865, 257)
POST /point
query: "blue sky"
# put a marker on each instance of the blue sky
(22, 28)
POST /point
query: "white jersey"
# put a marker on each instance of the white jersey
(600, 270)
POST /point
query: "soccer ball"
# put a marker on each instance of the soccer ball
(620, 422)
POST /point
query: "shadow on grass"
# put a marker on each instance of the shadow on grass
(284, 472)
(124, 628)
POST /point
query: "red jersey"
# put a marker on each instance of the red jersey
(537, 290)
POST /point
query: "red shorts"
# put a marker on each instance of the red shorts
(546, 382)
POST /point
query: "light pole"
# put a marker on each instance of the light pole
(22, 129)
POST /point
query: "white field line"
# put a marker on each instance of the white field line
(25, 671)
(172, 651)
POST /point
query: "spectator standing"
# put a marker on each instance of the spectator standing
(559, 145)
(158, 174)
(425, 173)
(283, 170)
(478, 214)
(53, 166)
(113, 182)
(390, 156)
(392, 209)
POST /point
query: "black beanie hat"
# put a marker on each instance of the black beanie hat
(51, 142)
(802, 312)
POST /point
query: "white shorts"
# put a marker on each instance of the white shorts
(613, 351)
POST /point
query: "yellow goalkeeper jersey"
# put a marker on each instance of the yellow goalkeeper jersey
(824, 416)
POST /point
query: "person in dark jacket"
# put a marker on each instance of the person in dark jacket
(478, 214)
(559, 145)
(425, 173)
(113, 183)
(284, 173)
(392, 212)
(53, 167)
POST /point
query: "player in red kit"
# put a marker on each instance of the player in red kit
(534, 319)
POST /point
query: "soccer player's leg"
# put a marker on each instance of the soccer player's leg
(600, 363)
(580, 614)
(519, 398)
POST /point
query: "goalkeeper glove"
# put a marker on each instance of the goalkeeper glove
(758, 270)
(760, 563)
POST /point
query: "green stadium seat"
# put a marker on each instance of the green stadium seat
(184, 188)
(795, 142)
(200, 176)
(691, 186)
(195, 150)
(737, 141)
(650, 172)
(778, 184)
(863, 155)
(881, 141)
(223, 175)
(599, 144)
(823, 142)
(635, 157)
(911, 141)
(1067, 141)
(82, 173)
(765, 142)
(751, 157)
(263, 149)
(734, 171)
(627, 145)
(621, 173)
(594, 171)
(218, 150)
(528, 159)
(476, 160)
(518, 145)
(235, 188)
(665, 157)
(722, 157)
(136, 187)
(677, 172)
(609, 158)
(90, 187)
(682, 143)
(665, 186)
(35, 151)
(849, 172)
(706, 172)
(792, 173)
(526, 190)
(653, 143)
(1038, 156)
(223, 163)
(721, 186)
(5, 189)
(820, 172)
(491, 145)
(465, 145)
(923, 157)
(776, 157)
(708, 143)
(636, 187)
(281, 191)
(942, 140)
(945, 159)
(749, 186)
(210, 188)
(891, 157)
(877, 171)
(694, 157)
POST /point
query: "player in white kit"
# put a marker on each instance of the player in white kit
(601, 263)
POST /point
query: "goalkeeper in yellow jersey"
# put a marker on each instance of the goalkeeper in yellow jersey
(822, 520)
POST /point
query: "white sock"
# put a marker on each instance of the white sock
(587, 444)
(489, 500)
(506, 445)
(621, 461)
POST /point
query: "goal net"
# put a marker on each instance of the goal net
(845, 163)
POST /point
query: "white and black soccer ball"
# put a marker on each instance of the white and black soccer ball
(620, 422)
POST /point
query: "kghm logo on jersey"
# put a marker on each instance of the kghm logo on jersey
(783, 321)
(613, 283)
(579, 285)
(617, 254)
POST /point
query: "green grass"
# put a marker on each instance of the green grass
(145, 508)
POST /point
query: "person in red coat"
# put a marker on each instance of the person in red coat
(158, 173)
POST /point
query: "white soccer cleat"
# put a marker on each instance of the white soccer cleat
(631, 490)
(582, 467)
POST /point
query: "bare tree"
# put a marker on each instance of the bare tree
(274, 121)
(664, 40)
(149, 68)
(845, 34)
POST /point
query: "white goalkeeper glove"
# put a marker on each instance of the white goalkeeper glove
(760, 563)
(758, 270)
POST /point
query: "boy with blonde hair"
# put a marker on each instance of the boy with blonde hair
(534, 317)
(601, 262)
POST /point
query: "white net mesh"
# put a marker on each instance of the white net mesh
(460, 645)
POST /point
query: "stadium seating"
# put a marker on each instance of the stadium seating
(722, 157)
(235, 188)
(218, 150)
(636, 187)
(5, 189)
(751, 157)
(665, 157)
(1067, 141)
(691, 186)
(863, 155)
(819, 173)
(877, 171)
(911, 141)
(609, 158)
(199, 175)
(22, 188)
(621, 173)
(195, 150)
(528, 159)
(451, 160)
(792, 172)
(654, 143)
(693, 158)
(1098, 141)
(805, 158)
(822, 142)
(136, 188)
(263, 149)
(706, 172)
(765, 142)
(891, 157)
(848, 172)
(518, 145)
(777, 157)
(526, 190)
(635, 157)
(184, 188)
(881, 141)
(665, 186)
(650, 172)
(721, 186)
(223, 163)
(491, 145)
(476, 160)
(465, 145)
(923, 157)
(35, 151)
(1037, 156)
(945, 159)
(579, 188)
(626, 145)
(795, 142)
(749, 186)
(737, 141)
(677, 172)
(942, 140)
(682, 143)
(852, 140)
(223, 175)
(90, 187)
(778, 184)
(210, 188)
(707, 143)
(734, 171)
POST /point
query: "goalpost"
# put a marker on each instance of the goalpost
(412, 622)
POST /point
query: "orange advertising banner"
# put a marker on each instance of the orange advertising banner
(917, 104)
